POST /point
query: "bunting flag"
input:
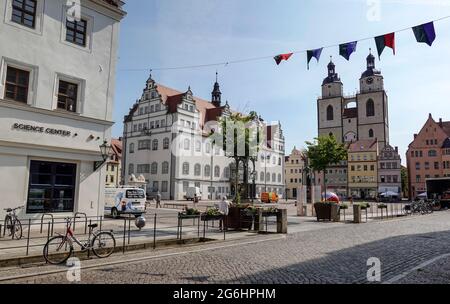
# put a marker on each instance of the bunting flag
(383, 41)
(346, 49)
(425, 33)
(314, 53)
(282, 57)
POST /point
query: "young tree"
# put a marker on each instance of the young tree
(323, 152)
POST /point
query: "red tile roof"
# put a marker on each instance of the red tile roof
(446, 127)
(363, 146)
(351, 113)
(117, 147)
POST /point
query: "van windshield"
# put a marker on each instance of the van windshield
(135, 193)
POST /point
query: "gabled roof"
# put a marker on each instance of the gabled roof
(116, 145)
(446, 127)
(364, 146)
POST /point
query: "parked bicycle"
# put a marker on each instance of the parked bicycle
(59, 248)
(422, 207)
(12, 223)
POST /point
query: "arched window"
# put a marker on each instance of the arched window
(279, 161)
(268, 177)
(198, 146)
(226, 172)
(216, 171)
(154, 169)
(165, 168)
(274, 177)
(207, 171)
(371, 134)
(432, 153)
(197, 170)
(155, 145)
(370, 108)
(131, 148)
(330, 113)
(185, 168)
(166, 143)
(187, 144)
(279, 178)
(261, 176)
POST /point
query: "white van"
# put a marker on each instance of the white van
(191, 192)
(124, 200)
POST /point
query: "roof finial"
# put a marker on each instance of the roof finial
(217, 75)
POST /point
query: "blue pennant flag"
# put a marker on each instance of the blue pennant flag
(346, 49)
(314, 53)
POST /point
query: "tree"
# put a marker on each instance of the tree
(323, 152)
(405, 185)
(240, 136)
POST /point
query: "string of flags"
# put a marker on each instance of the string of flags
(424, 33)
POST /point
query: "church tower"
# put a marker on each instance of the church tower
(330, 105)
(216, 98)
(372, 103)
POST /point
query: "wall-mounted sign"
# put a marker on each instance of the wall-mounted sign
(39, 129)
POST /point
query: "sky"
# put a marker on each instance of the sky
(173, 33)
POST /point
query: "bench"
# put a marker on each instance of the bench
(175, 205)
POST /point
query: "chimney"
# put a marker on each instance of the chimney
(440, 122)
(415, 136)
(396, 150)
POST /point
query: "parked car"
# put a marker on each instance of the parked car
(191, 192)
(124, 200)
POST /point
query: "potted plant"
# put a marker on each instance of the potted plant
(212, 214)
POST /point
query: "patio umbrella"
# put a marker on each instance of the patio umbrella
(389, 194)
(423, 195)
(331, 197)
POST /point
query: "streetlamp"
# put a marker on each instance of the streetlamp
(105, 151)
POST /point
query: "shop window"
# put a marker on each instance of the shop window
(51, 187)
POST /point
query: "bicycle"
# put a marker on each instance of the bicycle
(13, 224)
(59, 248)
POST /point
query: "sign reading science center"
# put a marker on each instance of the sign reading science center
(38, 129)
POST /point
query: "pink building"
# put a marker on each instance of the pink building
(428, 155)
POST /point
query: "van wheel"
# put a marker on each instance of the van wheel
(114, 213)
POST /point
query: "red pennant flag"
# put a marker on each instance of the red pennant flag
(282, 57)
(389, 41)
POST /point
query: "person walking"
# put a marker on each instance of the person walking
(158, 200)
(196, 200)
(224, 209)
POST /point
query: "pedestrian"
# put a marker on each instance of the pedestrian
(196, 200)
(158, 200)
(224, 209)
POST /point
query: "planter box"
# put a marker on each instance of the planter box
(327, 212)
(238, 218)
(208, 218)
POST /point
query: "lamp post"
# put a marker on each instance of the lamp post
(105, 151)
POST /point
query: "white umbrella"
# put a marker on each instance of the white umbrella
(423, 195)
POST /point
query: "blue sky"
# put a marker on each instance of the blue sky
(167, 33)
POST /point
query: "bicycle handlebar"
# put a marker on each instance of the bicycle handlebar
(14, 209)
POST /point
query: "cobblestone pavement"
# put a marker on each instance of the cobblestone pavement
(330, 255)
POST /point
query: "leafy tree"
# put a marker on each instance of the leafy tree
(405, 185)
(323, 152)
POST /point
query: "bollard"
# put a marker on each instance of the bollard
(357, 214)
(282, 226)
(154, 232)
(28, 236)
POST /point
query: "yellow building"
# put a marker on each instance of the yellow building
(363, 169)
(294, 166)
(113, 166)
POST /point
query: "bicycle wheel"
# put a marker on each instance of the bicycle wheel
(8, 225)
(57, 250)
(17, 229)
(103, 244)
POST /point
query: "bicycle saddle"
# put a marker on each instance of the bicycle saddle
(8, 210)
(93, 226)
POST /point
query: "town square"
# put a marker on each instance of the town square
(211, 142)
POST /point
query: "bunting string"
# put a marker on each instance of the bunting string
(424, 33)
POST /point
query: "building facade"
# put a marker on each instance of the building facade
(56, 98)
(363, 169)
(167, 140)
(114, 164)
(428, 155)
(389, 171)
(294, 173)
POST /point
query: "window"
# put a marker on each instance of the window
(155, 145)
(370, 108)
(274, 177)
(371, 134)
(76, 32)
(187, 144)
(216, 171)
(16, 85)
(130, 169)
(198, 146)
(417, 166)
(261, 176)
(67, 96)
(208, 148)
(330, 113)
(279, 178)
(24, 12)
(51, 187)
(432, 153)
(383, 178)
(207, 171)
(198, 170)
(436, 165)
(166, 143)
(164, 186)
(131, 148)
(185, 168)
(144, 144)
(154, 169)
(140, 169)
(155, 186)
(418, 178)
(185, 186)
(226, 173)
(165, 168)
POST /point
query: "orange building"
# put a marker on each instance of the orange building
(428, 156)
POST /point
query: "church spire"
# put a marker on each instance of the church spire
(216, 95)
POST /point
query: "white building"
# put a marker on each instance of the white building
(57, 80)
(166, 139)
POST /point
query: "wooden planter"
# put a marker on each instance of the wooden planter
(208, 218)
(327, 212)
(238, 218)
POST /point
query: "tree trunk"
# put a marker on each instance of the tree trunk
(325, 182)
